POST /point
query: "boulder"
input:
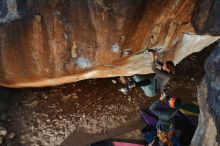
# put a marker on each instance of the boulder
(46, 43)
(207, 132)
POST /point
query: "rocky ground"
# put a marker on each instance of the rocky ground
(87, 111)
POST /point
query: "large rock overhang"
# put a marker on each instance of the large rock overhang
(60, 42)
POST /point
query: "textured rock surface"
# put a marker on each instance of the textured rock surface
(56, 42)
(207, 132)
(8, 11)
(213, 83)
(206, 18)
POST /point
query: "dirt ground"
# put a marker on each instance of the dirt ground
(80, 113)
(87, 108)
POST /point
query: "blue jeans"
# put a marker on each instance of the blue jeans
(148, 85)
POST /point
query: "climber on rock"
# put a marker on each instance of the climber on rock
(153, 83)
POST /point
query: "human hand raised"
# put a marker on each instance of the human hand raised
(153, 56)
(162, 96)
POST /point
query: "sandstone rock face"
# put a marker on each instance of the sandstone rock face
(52, 42)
